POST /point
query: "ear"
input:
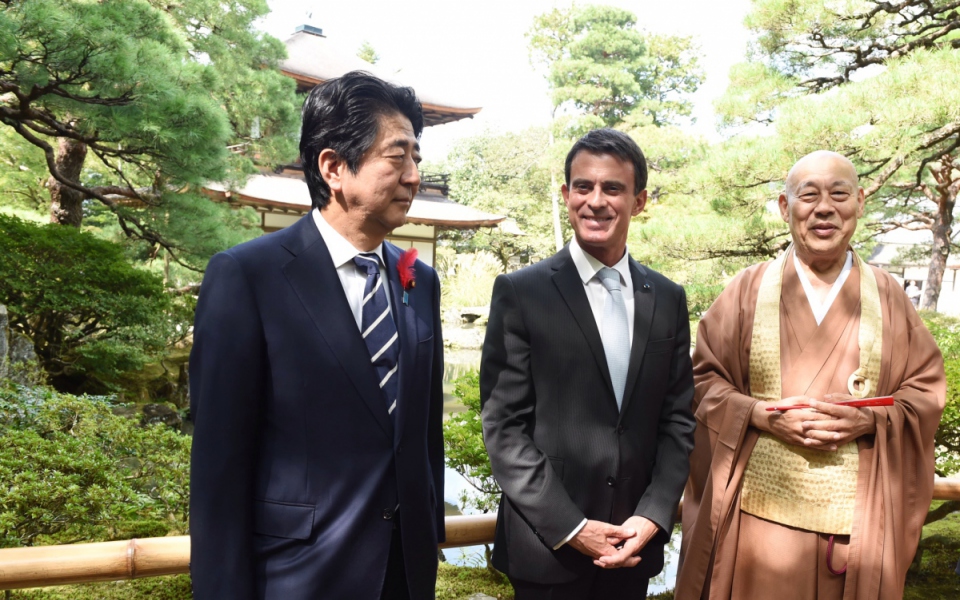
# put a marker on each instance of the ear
(861, 202)
(784, 205)
(332, 168)
(565, 192)
(641, 202)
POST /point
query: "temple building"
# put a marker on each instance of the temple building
(280, 194)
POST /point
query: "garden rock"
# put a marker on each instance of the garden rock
(160, 413)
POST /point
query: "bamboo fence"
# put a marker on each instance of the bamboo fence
(111, 561)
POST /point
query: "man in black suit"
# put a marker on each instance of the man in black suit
(586, 386)
(317, 467)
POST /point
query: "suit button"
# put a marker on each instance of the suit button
(387, 514)
(611, 482)
(621, 429)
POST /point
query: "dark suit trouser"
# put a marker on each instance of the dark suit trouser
(604, 584)
(395, 581)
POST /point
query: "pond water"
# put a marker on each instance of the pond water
(458, 362)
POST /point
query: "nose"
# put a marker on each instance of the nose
(596, 199)
(411, 175)
(824, 204)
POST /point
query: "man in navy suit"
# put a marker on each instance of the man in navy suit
(317, 466)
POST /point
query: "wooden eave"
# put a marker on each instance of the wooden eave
(433, 114)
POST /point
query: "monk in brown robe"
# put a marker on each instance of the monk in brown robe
(825, 502)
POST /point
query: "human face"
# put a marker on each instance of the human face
(822, 203)
(600, 203)
(374, 201)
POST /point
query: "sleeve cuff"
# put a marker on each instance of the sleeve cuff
(573, 533)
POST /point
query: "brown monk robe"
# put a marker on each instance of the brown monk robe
(721, 544)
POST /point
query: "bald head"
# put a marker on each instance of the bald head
(819, 161)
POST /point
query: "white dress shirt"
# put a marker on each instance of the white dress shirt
(820, 309)
(587, 267)
(352, 278)
(597, 295)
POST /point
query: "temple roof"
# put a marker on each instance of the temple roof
(313, 59)
(289, 194)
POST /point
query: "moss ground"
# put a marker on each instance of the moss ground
(935, 577)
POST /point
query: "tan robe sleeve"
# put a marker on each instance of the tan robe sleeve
(894, 493)
(722, 406)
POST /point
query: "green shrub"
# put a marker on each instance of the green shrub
(946, 331)
(91, 315)
(470, 280)
(72, 471)
(464, 448)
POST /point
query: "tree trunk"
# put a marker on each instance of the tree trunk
(938, 264)
(66, 205)
(555, 206)
(946, 198)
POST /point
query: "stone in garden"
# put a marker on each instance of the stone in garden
(160, 413)
(21, 349)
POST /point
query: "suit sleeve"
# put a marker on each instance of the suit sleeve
(226, 388)
(508, 402)
(674, 434)
(435, 424)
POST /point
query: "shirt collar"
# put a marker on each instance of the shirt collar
(341, 251)
(587, 266)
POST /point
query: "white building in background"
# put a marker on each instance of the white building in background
(279, 193)
(889, 253)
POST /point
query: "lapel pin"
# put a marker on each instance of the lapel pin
(646, 287)
(408, 276)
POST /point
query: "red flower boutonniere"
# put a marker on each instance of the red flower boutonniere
(408, 277)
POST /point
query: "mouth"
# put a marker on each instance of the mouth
(597, 221)
(824, 229)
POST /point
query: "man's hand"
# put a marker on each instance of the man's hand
(845, 424)
(597, 538)
(787, 426)
(626, 556)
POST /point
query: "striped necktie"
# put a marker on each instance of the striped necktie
(378, 329)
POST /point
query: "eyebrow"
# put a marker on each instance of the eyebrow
(804, 184)
(404, 144)
(580, 180)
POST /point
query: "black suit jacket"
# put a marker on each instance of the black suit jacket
(296, 466)
(560, 449)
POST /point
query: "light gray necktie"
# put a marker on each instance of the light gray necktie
(615, 332)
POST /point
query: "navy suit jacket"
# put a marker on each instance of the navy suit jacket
(296, 465)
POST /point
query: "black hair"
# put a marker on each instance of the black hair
(615, 143)
(343, 114)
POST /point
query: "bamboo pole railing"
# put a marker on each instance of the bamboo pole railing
(132, 559)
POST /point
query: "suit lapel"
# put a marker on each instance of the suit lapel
(316, 283)
(406, 320)
(644, 302)
(571, 288)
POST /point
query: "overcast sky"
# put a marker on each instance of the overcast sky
(475, 53)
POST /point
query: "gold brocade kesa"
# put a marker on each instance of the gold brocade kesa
(792, 485)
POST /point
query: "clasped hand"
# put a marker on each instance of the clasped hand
(824, 426)
(612, 546)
